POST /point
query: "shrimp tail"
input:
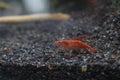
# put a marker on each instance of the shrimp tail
(91, 49)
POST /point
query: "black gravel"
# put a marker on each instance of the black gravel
(27, 51)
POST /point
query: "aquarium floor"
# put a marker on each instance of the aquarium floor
(27, 51)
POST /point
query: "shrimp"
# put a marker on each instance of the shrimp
(74, 43)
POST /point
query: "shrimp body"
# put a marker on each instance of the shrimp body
(73, 44)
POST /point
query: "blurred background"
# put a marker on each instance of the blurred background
(18, 7)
